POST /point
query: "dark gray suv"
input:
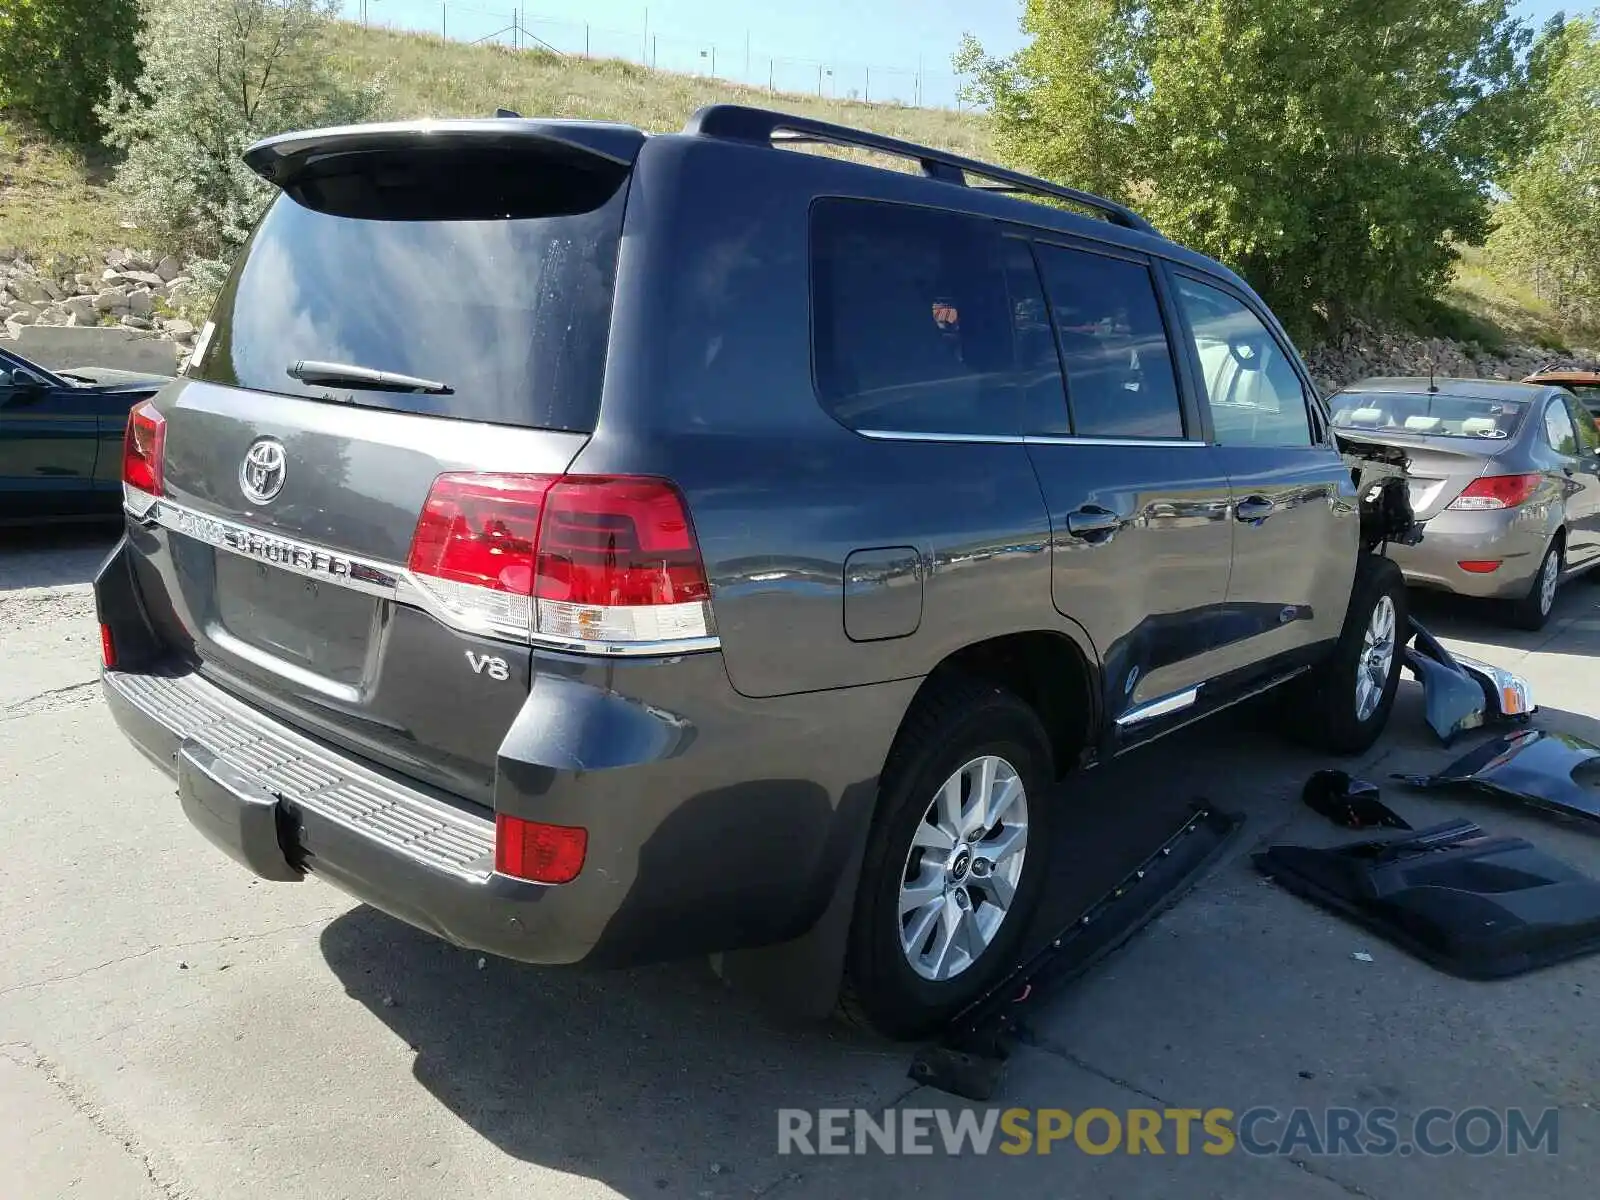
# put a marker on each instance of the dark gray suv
(597, 547)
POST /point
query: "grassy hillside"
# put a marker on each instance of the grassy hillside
(1514, 312)
(426, 76)
(53, 199)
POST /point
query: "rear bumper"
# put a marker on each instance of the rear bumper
(281, 805)
(1515, 539)
(716, 822)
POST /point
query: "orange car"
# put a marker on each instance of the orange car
(1585, 385)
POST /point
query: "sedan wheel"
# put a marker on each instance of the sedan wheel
(1533, 610)
(1549, 578)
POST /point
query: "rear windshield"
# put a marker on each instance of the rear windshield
(1425, 415)
(489, 273)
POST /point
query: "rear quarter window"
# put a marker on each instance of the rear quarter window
(491, 273)
(911, 321)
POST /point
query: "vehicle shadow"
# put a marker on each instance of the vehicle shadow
(649, 1079)
(661, 1080)
(662, 1077)
(54, 555)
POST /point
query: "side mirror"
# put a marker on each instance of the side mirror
(26, 387)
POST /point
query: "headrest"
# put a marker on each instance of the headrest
(1369, 416)
(1480, 427)
(1424, 424)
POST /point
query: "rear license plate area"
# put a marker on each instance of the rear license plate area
(319, 627)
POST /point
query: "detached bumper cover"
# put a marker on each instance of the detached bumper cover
(282, 804)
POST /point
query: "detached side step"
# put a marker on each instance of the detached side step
(970, 1059)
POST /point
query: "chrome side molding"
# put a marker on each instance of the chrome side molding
(1163, 706)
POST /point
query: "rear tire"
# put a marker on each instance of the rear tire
(892, 952)
(1533, 611)
(1343, 705)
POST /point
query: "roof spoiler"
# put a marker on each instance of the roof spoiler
(283, 159)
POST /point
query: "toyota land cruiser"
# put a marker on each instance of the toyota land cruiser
(591, 546)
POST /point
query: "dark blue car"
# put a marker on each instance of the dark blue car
(61, 437)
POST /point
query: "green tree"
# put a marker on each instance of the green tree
(1332, 153)
(219, 75)
(1548, 228)
(56, 56)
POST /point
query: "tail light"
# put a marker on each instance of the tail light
(144, 441)
(608, 560)
(538, 852)
(1497, 491)
(108, 647)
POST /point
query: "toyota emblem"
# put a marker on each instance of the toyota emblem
(262, 472)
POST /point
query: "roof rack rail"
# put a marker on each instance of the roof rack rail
(739, 122)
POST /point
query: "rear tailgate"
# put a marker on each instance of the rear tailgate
(275, 556)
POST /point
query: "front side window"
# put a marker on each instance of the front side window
(1254, 393)
(1113, 342)
(911, 320)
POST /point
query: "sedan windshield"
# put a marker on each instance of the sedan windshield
(1426, 414)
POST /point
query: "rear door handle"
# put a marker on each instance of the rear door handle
(1254, 508)
(1093, 523)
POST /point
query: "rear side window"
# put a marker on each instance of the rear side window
(489, 272)
(1120, 380)
(1558, 428)
(911, 320)
(1585, 422)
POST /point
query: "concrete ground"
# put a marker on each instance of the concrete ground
(170, 1028)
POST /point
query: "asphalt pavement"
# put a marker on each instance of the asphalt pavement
(171, 1029)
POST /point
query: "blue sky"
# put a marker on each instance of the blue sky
(872, 47)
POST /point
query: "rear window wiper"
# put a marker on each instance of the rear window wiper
(349, 375)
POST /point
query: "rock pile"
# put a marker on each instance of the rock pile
(130, 288)
(1365, 351)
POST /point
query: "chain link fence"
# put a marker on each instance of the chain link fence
(731, 56)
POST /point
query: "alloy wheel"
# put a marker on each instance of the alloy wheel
(963, 868)
(1377, 656)
(1549, 578)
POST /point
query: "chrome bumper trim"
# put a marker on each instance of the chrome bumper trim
(305, 774)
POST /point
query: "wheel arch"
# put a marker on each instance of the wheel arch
(1049, 671)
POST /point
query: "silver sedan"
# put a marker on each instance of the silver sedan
(1506, 477)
